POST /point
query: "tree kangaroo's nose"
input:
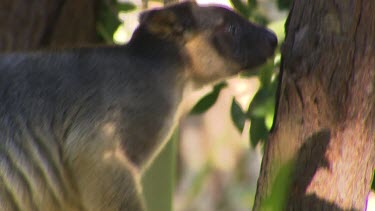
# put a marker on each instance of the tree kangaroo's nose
(272, 39)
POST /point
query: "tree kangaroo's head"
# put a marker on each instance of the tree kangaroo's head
(218, 42)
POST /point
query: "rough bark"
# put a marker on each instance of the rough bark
(325, 121)
(32, 24)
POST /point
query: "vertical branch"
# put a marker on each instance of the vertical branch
(159, 179)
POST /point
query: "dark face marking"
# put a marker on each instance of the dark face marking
(242, 42)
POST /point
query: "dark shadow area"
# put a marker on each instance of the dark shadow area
(310, 158)
(314, 203)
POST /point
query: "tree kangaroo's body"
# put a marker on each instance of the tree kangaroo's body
(78, 126)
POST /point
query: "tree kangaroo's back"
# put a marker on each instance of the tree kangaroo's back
(77, 127)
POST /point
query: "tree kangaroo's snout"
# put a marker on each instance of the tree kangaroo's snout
(217, 41)
(238, 40)
(251, 45)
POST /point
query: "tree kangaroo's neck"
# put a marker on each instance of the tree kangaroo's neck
(157, 90)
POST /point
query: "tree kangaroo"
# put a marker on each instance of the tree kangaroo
(78, 126)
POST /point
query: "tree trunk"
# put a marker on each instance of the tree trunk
(322, 144)
(33, 24)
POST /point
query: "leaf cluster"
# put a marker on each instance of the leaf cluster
(108, 20)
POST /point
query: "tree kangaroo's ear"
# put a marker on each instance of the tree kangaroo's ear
(174, 21)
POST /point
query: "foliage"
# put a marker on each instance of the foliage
(208, 100)
(238, 115)
(284, 4)
(249, 10)
(108, 20)
(280, 188)
(262, 106)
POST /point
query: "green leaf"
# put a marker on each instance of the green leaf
(105, 35)
(241, 7)
(220, 86)
(284, 4)
(267, 108)
(373, 182)
(208, 100)
(205, 103)
(257, 107)
(263, 103)
(249, 73)
(108, 21)
(238, 116)
(279, 189)
(252, 3)
(269, 119)
(278, 27)
(259, 18)
(258, 131)
(266, 73)
(125, 6)
(261, 111)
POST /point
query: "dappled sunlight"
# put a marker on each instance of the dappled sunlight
(222, 2)
(243, 89)
(114, 153)
(109, 128)
(370, 202)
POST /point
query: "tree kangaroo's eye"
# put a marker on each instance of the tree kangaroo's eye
(231, 29)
